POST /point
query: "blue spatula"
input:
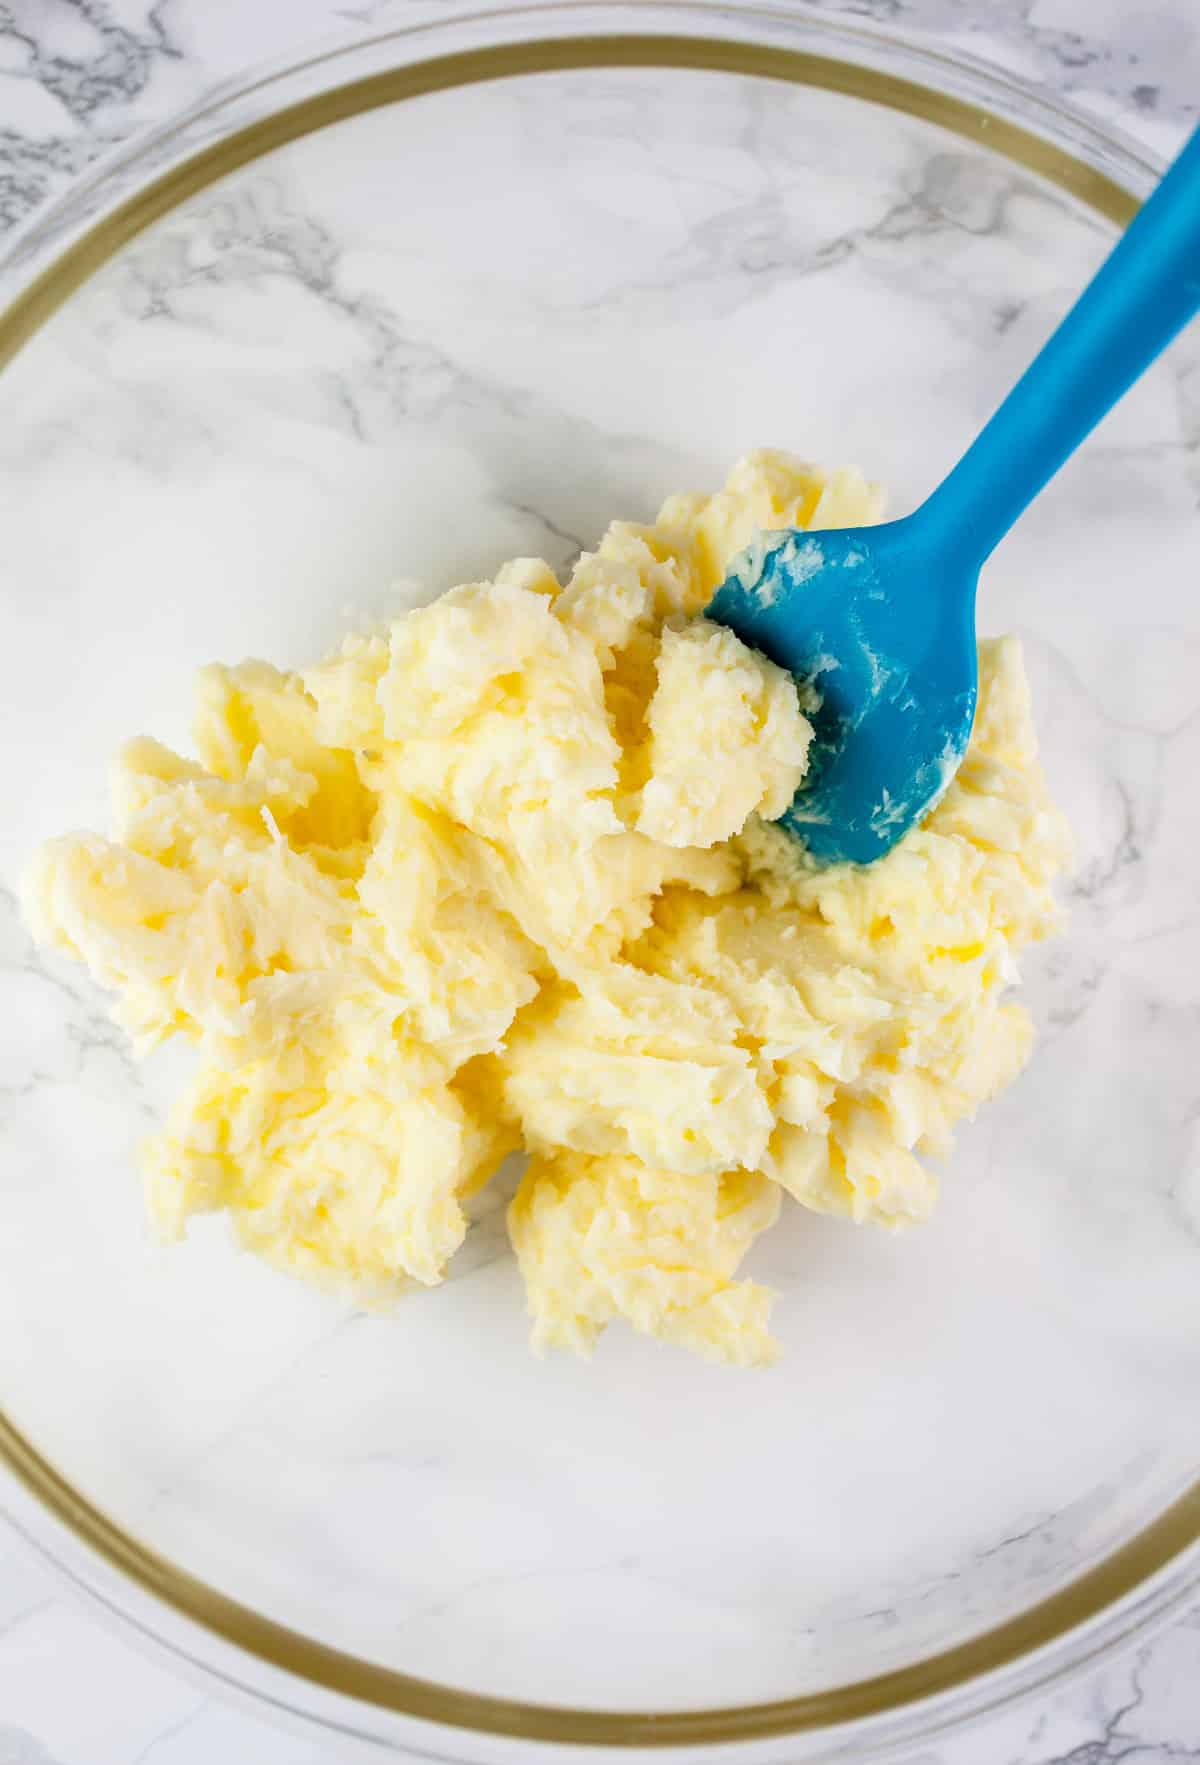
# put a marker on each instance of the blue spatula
(882, 619)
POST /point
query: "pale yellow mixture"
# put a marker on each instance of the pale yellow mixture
(503, 878)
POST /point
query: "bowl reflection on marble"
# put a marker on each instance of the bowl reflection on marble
(366, 327)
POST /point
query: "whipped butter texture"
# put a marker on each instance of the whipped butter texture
(504, 879)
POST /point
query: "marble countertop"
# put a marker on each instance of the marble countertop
(76, 78)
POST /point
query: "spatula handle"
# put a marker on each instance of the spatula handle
(1145, 292)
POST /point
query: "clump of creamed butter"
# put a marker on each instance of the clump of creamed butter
(505, 879)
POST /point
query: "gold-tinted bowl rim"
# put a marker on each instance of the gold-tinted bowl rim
(1102, 173)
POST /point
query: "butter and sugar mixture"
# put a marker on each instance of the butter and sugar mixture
(504, 879)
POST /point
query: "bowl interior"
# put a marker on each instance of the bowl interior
(383, 359)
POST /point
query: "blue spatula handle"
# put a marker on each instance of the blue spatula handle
(1144, 293)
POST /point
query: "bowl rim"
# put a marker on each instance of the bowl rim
(1153, 1573)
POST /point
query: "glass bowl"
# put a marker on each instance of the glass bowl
(364, 326)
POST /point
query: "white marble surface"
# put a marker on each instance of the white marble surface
(77, 77)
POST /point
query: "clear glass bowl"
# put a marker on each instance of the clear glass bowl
(400, 311)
